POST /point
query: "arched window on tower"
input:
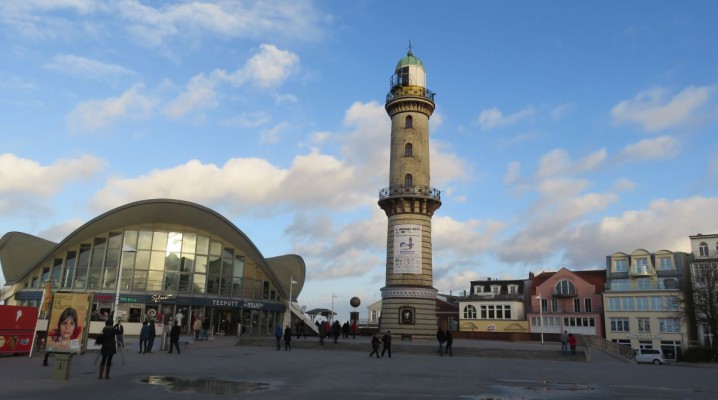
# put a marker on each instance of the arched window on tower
(408, 150)
(409, 122)
(408, 181)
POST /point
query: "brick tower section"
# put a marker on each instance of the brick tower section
(409, 298)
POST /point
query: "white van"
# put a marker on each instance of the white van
(654, 356)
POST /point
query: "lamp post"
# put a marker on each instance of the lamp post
(540, 314)
(125, 249)
(332, 316)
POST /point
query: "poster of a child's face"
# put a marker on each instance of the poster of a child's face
(67, 318)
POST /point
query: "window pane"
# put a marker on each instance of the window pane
(145, 240)
(159, 241)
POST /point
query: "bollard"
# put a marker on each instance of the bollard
(61, 367)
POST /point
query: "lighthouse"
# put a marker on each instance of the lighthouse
(408, 305)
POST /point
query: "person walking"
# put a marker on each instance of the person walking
(287, 338)
(278, 336)
(322, 332)
(120, 334)
(564, 342)
(174, 337)
(354, 329)
(572, 343)
(144, 336)
(109, 348)
(196, 327)
(449, 342)
(205, 328)
(151, 336)
(375, 345)
(336, 330)
(386, 341)
(441, 337)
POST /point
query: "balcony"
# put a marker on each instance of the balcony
(409, 91)
(564, 294)
(497, 296)
(641, 270)
(413, 191)
(702, 255)
(635, 287)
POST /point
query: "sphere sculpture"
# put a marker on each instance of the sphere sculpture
(355, 302)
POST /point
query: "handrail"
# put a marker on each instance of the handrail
(400, 190)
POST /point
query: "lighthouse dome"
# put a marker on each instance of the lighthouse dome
(410, 59)
(409, 72)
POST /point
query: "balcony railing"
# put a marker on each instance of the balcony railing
(641, 270)
(399, 190)
(704, 254)
(634, 287)
(410, 91)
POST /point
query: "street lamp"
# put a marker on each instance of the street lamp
(541, 314)
(332, 316)
(292, 282)
(125, 249)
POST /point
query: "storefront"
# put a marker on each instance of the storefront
(171, 259)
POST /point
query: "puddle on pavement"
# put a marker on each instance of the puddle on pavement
(212, 386)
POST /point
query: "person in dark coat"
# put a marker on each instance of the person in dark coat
(386, 340)
(441, 337)
(151, 336)
(278, 336)
(375, 345)
(144, 336)
(336, 331)
(109, 348)
(287, 338)
(449, 342)
(174, 337)
(322, 332)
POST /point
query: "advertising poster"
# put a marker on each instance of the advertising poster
(17, 328)
(407, 249)
(66, 329)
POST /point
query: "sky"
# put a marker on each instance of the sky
(564, 131)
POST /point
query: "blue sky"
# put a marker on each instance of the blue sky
(564, 131)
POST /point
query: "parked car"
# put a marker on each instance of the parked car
(654, 356)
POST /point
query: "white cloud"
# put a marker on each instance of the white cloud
(662, 147)
(494, 118)
(663, 225)
(24, 181)
(87, 68)
(271, 136)
(58, 232)
(557, 162)
(560, 111)
(513, 172)
(269, 67)
(654, 112)
(285, 98)
(92, 115)
(623, 185)
(248, 120)
(199, 93)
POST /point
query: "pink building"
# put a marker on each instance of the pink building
(567, 300)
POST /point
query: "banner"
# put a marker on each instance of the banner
(17, 328)
(67, 324)
(407, 249)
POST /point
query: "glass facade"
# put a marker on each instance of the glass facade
(176, 262)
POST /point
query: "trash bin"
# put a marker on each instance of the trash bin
(61, 367)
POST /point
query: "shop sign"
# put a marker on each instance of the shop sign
(643, 336)
(162, 298)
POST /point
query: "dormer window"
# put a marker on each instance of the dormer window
(478, 289)
(408, 122)
(513, 289)
(408, 150)
(495, 289)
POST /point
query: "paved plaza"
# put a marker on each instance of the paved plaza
(220, 368)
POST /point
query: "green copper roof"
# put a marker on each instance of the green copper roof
(410, 59)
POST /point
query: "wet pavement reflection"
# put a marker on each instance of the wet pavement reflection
(213, 386)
